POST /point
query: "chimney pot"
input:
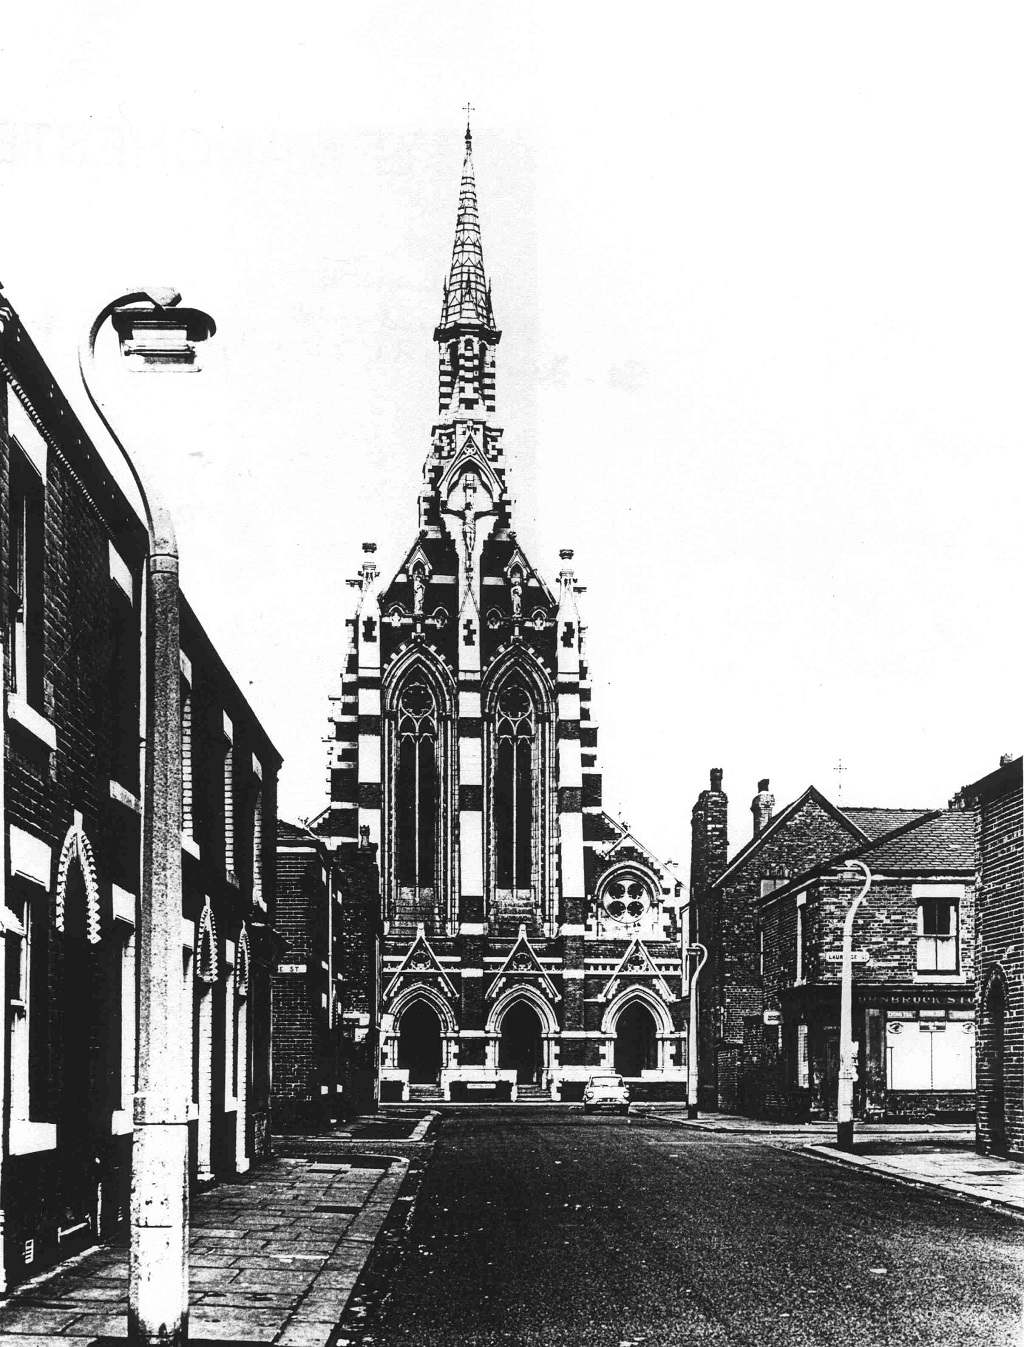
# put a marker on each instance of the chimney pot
(716, 778)
(1005, 759)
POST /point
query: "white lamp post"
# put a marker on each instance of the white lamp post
(700, 954)
(156, 334)
(847, 1045)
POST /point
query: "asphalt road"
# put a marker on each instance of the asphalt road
(555, 1228)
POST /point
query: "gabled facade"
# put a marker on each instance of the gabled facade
(72, 554)
(913, 980)
(772, 918)
(464, 746)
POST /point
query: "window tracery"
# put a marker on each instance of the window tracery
(416, 785)
(515, 734)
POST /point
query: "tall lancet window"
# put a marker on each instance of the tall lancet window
(513, 787)
(416, 786)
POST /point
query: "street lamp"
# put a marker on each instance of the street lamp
(156, 334)
(700, 954)
(847, 1046)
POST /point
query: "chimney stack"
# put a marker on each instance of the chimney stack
(1005, 759)
(761, 807)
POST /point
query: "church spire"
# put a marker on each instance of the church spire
(467, 296)
(466, 335)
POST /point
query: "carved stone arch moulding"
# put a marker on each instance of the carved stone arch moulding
(207, 962)
(410, 994)
(77, 847)
(242, 964)
(522, 995)
(638, 995)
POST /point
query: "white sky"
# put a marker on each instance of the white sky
(759, 274)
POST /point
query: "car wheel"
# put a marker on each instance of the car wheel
(586, 1108)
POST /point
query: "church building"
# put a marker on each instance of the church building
(529, 938)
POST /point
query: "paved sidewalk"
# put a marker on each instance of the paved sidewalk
(730, 1122)
(949, 1166)
(273, 1259)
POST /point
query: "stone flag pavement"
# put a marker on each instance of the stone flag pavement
(273, 1259)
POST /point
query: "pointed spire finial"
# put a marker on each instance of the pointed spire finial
(466, 298)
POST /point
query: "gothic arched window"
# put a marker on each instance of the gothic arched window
(515, 736)
(416, 786)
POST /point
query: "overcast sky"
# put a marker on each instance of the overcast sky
(758, 270)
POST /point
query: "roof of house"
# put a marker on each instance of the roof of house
(858, 832)
(293, 832)
(877, 822)
(945, 842)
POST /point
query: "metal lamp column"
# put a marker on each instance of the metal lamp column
(847, 1046)
(158, 1271)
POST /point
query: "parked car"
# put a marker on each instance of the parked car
(606, 1090)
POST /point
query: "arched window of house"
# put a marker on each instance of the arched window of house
(515, 737)
(416, 785)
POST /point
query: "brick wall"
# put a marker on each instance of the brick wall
(997, 800)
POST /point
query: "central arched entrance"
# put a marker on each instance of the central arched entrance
(636, 1041)
(520, 1047)
(419, 1044)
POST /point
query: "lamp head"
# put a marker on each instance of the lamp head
(157, 334)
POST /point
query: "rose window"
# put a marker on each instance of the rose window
(626, 900)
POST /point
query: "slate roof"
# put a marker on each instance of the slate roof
(877, 822)
(942, 843)
(292, 832)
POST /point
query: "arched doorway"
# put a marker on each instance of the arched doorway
(992, 1085)
(419, 1044)
(520, 1047)
(636, 1041)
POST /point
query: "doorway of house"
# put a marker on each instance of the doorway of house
(419, 1044)
(636, 1041)
(520, 1046)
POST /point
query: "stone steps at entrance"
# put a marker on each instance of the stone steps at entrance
(425, 1094)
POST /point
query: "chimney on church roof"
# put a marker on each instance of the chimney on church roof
(761, 807)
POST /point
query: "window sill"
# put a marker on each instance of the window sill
(121, 1122)
(191, 846)
(30, 720)
(29, 1138)
(950, 979)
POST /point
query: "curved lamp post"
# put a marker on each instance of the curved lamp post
(698, 952)
(156, 334)
(847, 1046)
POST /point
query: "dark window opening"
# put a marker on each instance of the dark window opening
(513, 788)
(416, 786)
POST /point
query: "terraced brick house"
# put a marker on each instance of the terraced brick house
(73, 551)
(772, 920)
